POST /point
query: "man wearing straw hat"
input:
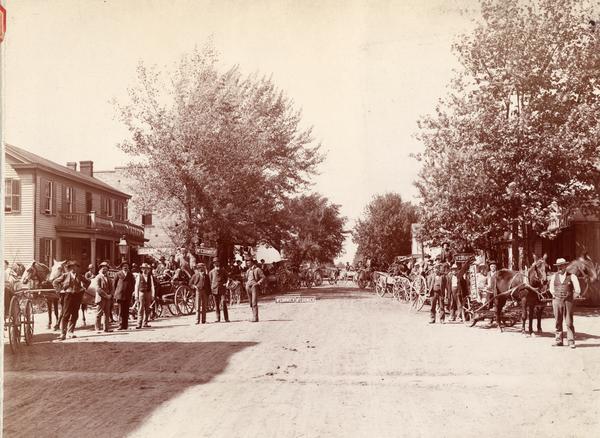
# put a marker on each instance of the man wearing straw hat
(145, 291)
(564, 287)
(218, 278)
(201, 284)
(72, 285)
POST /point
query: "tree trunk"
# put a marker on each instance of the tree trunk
(515, 246)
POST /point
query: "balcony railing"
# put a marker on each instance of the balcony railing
(93, 221)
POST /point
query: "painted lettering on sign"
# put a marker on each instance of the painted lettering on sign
(296, 299)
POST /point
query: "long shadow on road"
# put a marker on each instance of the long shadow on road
(107, 388)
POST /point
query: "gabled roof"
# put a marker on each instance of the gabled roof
(30, 160)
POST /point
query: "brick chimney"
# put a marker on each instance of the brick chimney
(72, 165)
(86, 167)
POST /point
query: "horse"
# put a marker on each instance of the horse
(530, 291)
(38, 276)
(41, 276)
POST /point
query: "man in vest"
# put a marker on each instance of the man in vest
(145, 292)
(564, 287)
(218, 278)
(201, 284)
(103, 287)
(436, 283)
(72, 285)
(254, 279)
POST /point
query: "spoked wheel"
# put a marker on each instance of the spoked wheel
(210, 305)
(331, 280)
(405, 290)
(156, 309)
(318, 280)
(28, 322)
(421, 298)
(185, 300)
(171, 307)
(14, 325)
(380, 288)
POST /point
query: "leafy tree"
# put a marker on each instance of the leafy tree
(517, 136)
(220, 151)
(316, 230)
(385, 230)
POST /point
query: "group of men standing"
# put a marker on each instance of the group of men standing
(215, 282)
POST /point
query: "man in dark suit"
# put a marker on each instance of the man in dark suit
(201, 284)
(124, 286)
(218, 278)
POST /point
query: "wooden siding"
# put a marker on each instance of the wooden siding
(45, 226)
(18, 227)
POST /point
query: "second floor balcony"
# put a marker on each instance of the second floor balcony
(95, 223)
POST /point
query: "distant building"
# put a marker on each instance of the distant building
(56, 212)
(157, 240)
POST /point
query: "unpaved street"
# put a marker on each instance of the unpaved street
(350, 364)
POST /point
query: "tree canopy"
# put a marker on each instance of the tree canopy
(517, 135)
(385, 230)
(221, 151)
(316, 230)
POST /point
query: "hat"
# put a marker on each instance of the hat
(145, 265)
(123, 263)
(215, 259)
(493, 262)
(90, 266)
(72, 263)
(560, 261)
(104, 264)
(454, 266)
(162, 258)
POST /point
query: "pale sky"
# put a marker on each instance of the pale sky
(361, 71)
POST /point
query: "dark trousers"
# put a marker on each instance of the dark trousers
(253, 291)
(456, 304)
(563, 310)
(201, 303)
(437, 303)
(124, 313)
(221, 302)
(70, 311)
(61, 300)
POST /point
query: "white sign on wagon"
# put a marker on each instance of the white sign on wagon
(296, 299)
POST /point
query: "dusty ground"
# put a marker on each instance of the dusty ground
(351, 364)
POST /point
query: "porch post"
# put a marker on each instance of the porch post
(58, 250)
(93, 252)
(112, 251)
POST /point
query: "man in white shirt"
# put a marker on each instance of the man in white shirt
(564, 287)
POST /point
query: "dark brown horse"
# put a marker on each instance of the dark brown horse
(531, 290)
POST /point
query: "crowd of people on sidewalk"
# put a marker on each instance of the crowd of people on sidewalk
(133, 289)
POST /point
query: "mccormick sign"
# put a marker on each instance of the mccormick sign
(296, 299)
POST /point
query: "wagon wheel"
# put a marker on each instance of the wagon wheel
(318, 280)
(170, 303)
(380, 287)
(115, 312)
(185, 300)
(156, 309)
(210, 305)
(406, 290)
(508, 321)
(421, 298)
(28, 322)
(14, 325)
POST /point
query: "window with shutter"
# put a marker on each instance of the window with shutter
(12, 195)
(48, 193)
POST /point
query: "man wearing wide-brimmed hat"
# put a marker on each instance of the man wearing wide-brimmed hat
(564, 287)
(255, 277)
(72, 285)
(145, 292)
(103, 286)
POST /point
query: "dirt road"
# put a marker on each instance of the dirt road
(350, 364)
